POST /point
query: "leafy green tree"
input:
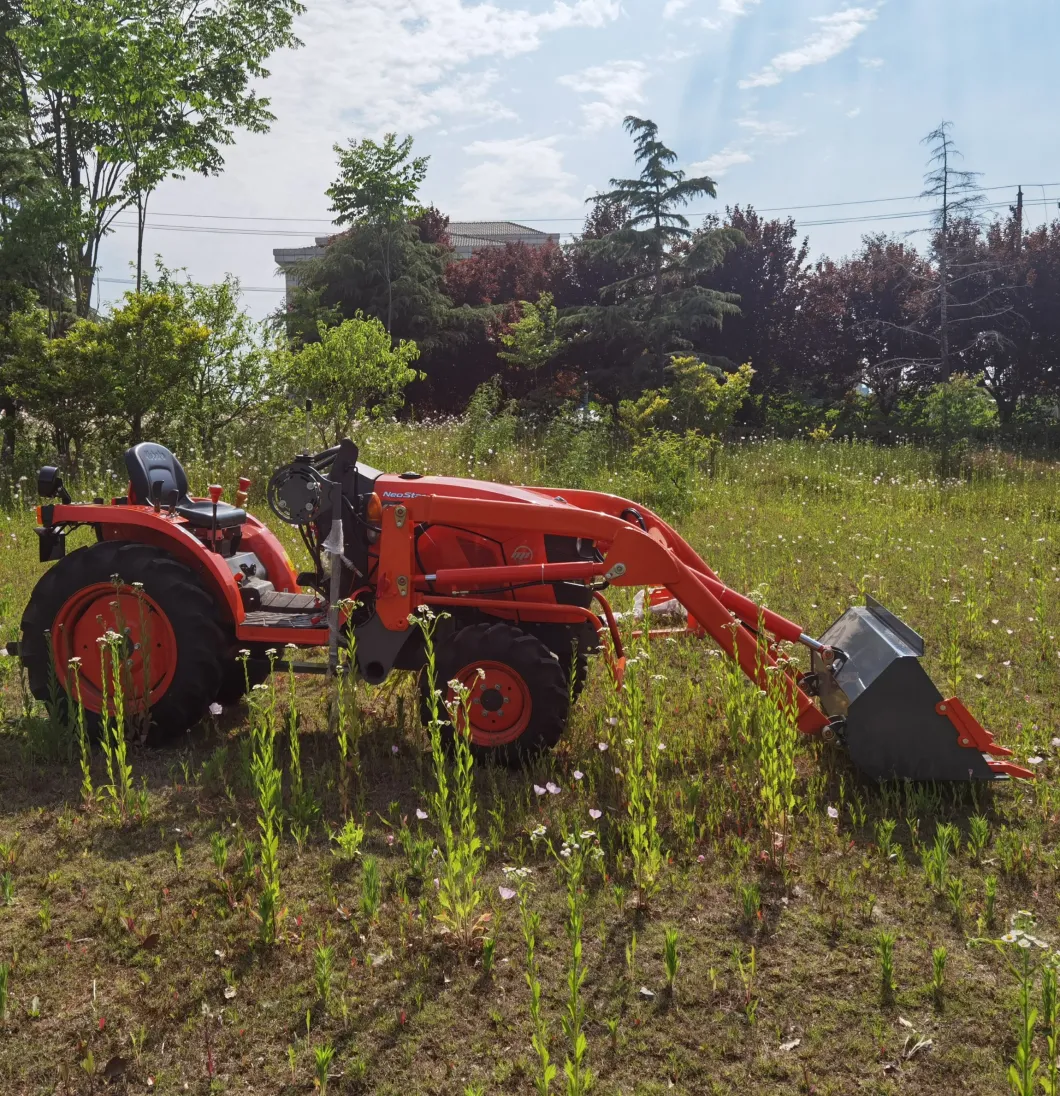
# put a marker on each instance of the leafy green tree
(130, 369)
(658, 307)
(33, 218)
(353, 370)
(230, 377)
(23, 359)
(531, 341)
(377, 189)
(124, 93)
(351, 277)
(951, 415)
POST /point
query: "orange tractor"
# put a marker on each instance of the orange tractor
(184, 585)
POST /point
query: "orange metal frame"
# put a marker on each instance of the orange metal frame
(655, 556)
(652, 556)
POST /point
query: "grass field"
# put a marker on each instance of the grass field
(134, 947)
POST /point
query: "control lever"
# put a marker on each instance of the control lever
(215, 490)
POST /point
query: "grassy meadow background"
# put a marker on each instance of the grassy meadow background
(135, 961)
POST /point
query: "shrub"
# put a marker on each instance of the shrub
(490, 423)
(700, 397)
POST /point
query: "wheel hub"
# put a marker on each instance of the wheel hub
(146, 650)
(492, 699)
(498, 703)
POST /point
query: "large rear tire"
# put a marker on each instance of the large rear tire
(174, 647)
(571, 645)
(520, 706)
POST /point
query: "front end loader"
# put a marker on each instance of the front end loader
(203, 601)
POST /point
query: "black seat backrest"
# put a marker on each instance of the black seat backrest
(149, 463)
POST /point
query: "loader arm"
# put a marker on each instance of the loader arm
(633, 556)
(883, 706)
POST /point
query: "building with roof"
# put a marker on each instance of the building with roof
(466, 238)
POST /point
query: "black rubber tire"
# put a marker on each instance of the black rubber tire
(564, 642)
(234, 680)
(193, 616)
(532, 660)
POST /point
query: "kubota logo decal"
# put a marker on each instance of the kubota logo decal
(523, 554)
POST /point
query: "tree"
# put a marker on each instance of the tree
(376, 189)
(591, 270)
(126, 373)
(1017, 356)
(767, 273)
(959, 197)
(33, 219)
(353, 370)
(966, 294)
(883, 288)
(143, 356)
(658, 307)
(351, 278)
(508, 274)
(23, 359)
(230, 376)
(530, 342)
(123, 93)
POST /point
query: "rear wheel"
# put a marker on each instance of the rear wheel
(518, 704)
(571, 645)
(173, 647)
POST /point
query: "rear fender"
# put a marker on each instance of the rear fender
(170, 533)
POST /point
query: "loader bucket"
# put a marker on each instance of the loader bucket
(897, 723)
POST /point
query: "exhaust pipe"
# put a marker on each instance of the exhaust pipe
(892, 718)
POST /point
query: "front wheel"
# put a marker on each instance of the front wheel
(518, 701)
(172, 645)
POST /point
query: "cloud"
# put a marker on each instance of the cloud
(835, 33)
(774, 131)
(717, 165)
(871, 62)
(517, 175)
(615, 89)
(742, 151)
(728, 11)
(407, 68)
(674, 7)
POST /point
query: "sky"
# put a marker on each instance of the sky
(519, 105)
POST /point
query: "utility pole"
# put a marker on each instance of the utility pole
(944, 255)
(1019, 219)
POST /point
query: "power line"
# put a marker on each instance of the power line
(210, 229)
(526, 217)
(242, 288)
(869, 218)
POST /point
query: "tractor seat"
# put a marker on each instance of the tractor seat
(201, 513)
(154, 469)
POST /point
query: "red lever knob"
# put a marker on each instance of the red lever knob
(244, 483)
(216, 490)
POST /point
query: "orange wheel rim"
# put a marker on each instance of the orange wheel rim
(498, 705)
(148, 652)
